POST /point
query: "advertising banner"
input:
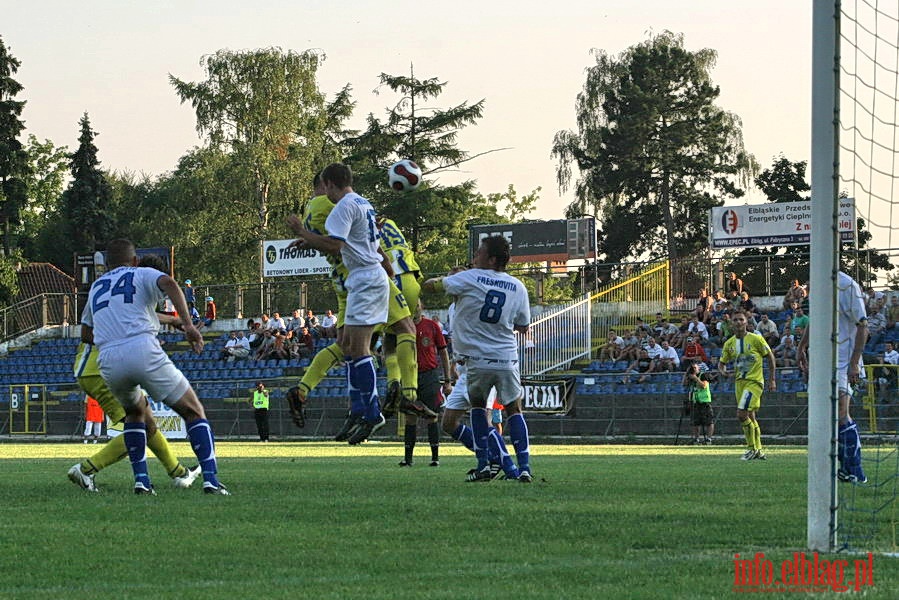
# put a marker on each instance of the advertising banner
(772, 224)
(280, 261)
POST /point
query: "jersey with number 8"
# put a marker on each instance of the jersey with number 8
(122, 304)
(489, 304)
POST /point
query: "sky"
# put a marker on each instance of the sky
(526, 59)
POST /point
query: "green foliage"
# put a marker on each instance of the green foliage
(9, 280)
(264, 110)
(86, 201)
(653, 150)
(48, 167)
(14, 170)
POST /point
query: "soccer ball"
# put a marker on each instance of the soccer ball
(404, 175)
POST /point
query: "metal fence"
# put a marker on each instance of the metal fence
(40, 311)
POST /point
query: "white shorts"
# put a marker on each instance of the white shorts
(140, 362)
(843, 386)
(368, 294)
(458, 398)
(507, 384)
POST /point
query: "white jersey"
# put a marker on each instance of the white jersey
(488, 306)
(850, 311)
(352, 221)
(122, 304)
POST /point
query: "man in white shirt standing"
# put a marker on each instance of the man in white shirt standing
(353, 234)
(121, 309)
(491, 306)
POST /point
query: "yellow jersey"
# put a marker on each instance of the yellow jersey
(746, 354)
(314, 216)
(394, 245)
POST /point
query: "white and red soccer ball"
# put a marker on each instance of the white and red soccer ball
(404, 175)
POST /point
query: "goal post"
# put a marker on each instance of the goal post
(822, 402)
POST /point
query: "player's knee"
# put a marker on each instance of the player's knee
(189, 407)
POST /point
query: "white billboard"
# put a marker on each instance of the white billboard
(280, 261)
(773, 224)
(167, 420)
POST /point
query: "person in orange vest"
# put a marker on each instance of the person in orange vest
(93, 420)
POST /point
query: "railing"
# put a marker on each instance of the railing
(40, 311)
(556, 339)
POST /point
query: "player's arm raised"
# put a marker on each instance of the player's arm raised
(310, 239)
(171, 288)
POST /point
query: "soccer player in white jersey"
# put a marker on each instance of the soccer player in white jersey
(852, 332)
(491, 306)
(353, 233)
(121, 309)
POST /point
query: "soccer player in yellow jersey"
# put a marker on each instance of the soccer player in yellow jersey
(745, 350)
(87, 374)
(401, 356)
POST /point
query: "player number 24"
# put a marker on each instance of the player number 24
(124, 286)
(493, 307)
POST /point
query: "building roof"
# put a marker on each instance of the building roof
(43, 278)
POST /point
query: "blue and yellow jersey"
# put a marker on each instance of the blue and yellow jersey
(394, 245)
(746, 354)
(314, 217)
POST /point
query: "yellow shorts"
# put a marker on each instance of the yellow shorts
(96, 388)
(749, 395)
(397, 307)
(411, 289)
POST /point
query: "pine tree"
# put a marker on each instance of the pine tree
(85, 203)
(13, 157)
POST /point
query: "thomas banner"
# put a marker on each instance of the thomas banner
(280, 261)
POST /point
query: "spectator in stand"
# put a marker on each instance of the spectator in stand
(613, 348)
(237, 346)
(254, 335)
(631, 349)
(800, 319)
(703, 308)
(639, 365)
(641, 326)
(893, 312)
(887, 376)
(747, 305)
(720, 304)
(264, 349)
(210, 312)
(682, 332)
(668, 359)
(189, 294)
(277, 323)
(734, 288)
(694, 351)
(768, 330)
(698, 330)
(313, 324)
(875, 299)
(305, 344)
(263, 321)
(795, 295)
(295, 324)
(279, 349)
(329, 325)
(194, 316)
(654, 352)
(785, 354)
(876, 325)
(724, 330)
(663, 330)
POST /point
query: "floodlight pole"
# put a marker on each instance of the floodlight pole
(822, 404)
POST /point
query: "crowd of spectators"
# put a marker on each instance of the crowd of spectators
(274, 337)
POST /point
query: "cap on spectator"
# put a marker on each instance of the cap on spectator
(208, 298)
(187, 281)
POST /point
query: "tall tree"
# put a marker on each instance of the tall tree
(264, 109)
(653, 151)
(86, 202)
(13, 157)
(48, 166)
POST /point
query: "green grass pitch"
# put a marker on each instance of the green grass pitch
(321, 520)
